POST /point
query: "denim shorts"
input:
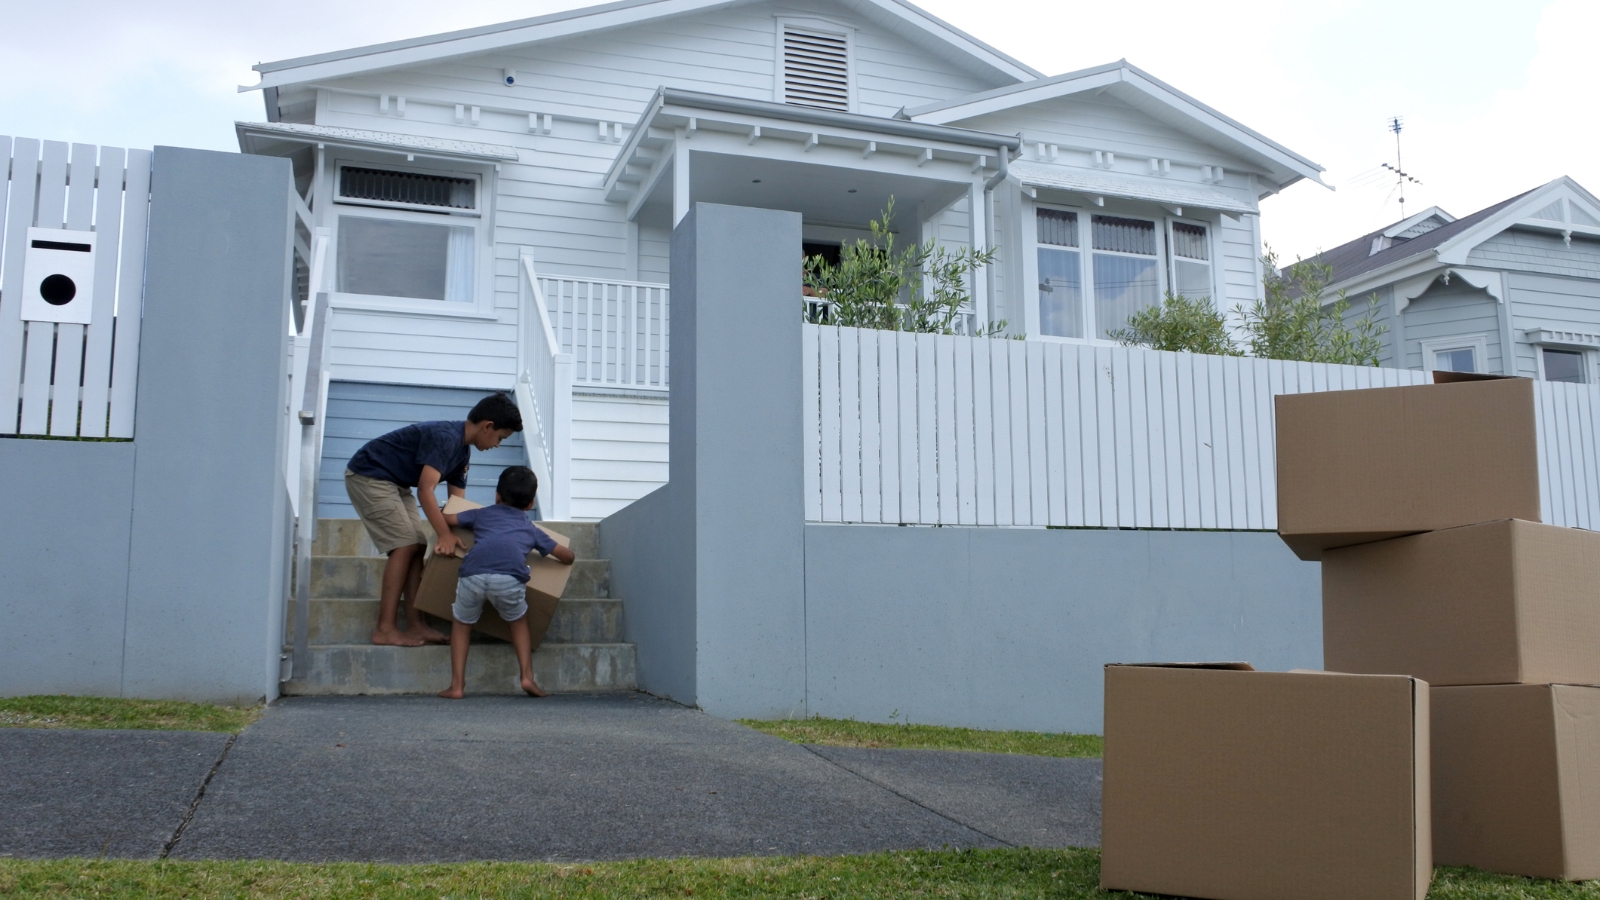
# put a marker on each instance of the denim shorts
(508, 595)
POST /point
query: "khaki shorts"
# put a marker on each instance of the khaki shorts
(388, 510)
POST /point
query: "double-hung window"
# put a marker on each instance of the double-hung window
(1096, 270)
(407, 239)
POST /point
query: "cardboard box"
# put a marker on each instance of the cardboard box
(1503, 602)
(1359, 466)
(1516, 779)
(1223, 782)
(547, 579)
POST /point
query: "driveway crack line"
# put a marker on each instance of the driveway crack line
(909, 799)
(199, 795)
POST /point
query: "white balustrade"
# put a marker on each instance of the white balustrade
(616, 331)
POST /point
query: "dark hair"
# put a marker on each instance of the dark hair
(517, 486)
(499, 409)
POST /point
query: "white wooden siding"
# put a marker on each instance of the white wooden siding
(1533, 251)
(619, 452)
(550, 201)
(1455, 311)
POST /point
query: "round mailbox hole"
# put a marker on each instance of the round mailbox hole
(58, 290)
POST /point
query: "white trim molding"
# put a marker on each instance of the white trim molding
(1478, 344)
(1491, 282)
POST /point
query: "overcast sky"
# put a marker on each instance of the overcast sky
(1496, 94)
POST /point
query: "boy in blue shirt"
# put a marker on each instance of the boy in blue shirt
(496, 570)
(379, 480)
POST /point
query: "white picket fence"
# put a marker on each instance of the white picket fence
(934, 430)
(70, 379)
(616, 331)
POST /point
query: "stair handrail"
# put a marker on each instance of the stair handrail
(311, 410)
(544, 390)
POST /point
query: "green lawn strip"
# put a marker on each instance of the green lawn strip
(984, 874)
(112, 712)
(850, 733)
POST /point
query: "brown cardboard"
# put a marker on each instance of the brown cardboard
(1243, 785)
(1516, 779)
(1502, 602)
(1359, 466)
(547, 579)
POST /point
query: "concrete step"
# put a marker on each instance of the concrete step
(491, 669)
(350, 621)
(361, 577)
(347, 537)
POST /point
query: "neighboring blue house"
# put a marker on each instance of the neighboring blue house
(1513, 289)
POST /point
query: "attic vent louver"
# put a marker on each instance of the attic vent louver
(816, 69)
(410, 188)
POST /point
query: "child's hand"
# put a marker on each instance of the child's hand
(448, 545)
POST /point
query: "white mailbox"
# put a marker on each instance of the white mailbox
(58, 274)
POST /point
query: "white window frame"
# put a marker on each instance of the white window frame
(479, 220)
(1086, 253)
(1478, 344)
(825, 26)
(1586, 355)
(1215, 262)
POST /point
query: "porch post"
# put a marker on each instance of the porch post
(680, 177)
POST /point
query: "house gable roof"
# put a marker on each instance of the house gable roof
(1561, 206)
(898, 15)
(1144, 92)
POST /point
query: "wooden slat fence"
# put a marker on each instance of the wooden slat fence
(65, 379)
(935, 430)
(617, 331)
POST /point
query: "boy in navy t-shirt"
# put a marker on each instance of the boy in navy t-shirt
(496, 570)
(380, 479)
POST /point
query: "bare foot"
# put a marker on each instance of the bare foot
(452, 693)
(532, 689)
(426, 634)
(388, 637)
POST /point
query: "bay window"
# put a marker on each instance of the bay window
(1129, 264)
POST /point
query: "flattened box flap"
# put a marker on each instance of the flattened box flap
(1359, 466)
(1262, 785)
(1501, 602)
(1517, 779)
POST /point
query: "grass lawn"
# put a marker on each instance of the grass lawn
(850, 733)
(1067, 874)
(111, 712)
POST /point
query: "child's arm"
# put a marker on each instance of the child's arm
(563, 555)
(426, 485)
(452, 520)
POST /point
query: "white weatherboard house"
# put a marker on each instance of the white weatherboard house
(491, 208)
(1512, 289)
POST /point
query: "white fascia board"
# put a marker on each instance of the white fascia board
(901, 12)
(1401, 227)
(1398, 271)
(471, 42)
(1122, 72)
(1455, 250)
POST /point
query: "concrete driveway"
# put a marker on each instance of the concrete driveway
(574, 777)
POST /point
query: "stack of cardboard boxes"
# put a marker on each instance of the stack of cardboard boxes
(1464, 726)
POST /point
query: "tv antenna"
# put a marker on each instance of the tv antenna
(1400, 174)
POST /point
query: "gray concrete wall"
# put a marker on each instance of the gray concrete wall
(743, 609)
(64, 563)
(738, 606)
(195, 510)
(1009, 628)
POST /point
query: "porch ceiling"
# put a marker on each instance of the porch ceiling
(822, 194)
